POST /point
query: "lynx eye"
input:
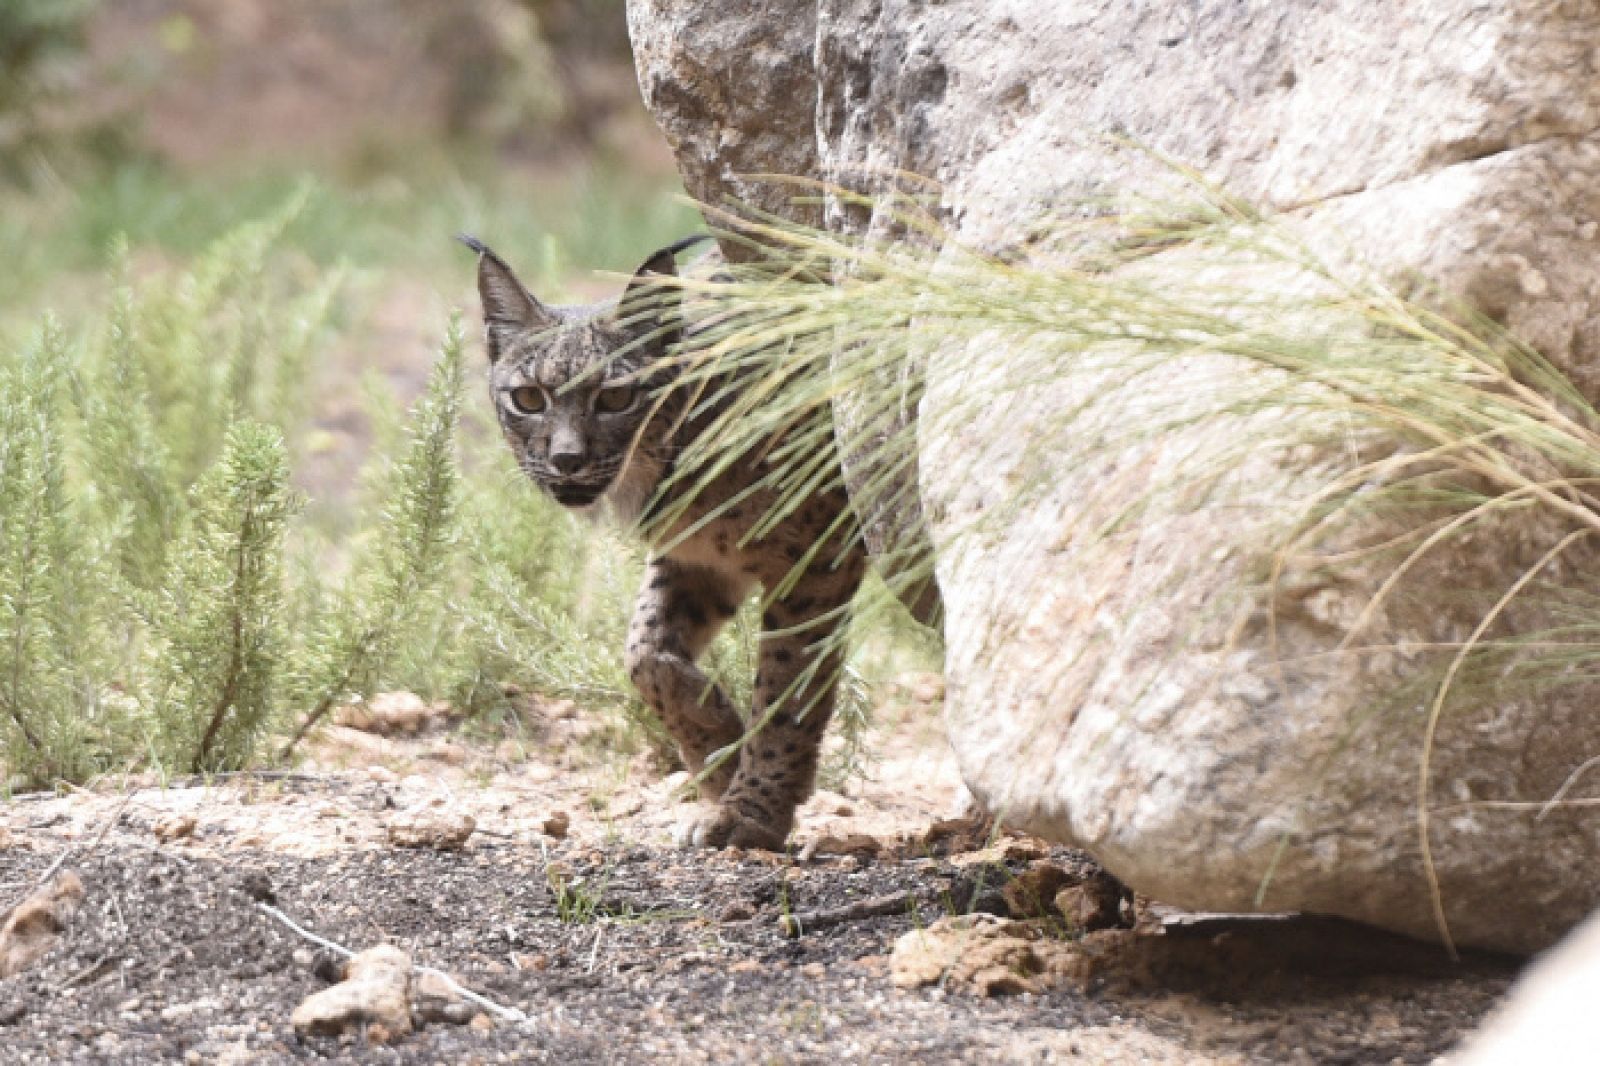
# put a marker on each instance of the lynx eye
(529, 399)
(615, 400)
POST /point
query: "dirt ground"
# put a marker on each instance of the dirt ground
(569, 903)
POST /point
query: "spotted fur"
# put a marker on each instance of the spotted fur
(591, 457)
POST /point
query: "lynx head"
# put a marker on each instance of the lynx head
(576, 388)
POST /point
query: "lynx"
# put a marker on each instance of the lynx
(585, 396)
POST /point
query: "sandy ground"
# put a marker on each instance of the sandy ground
(568, 902)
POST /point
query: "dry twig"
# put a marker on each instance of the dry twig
(510, 1014)
(802, 922)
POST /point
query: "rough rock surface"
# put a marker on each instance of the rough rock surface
(747, 63)
(1112, 705)
(988, 955)
(435, 1000)
(374, 993)
(392, 713)
(441, 830)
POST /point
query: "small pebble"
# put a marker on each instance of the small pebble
(737, 911)
(256, 885)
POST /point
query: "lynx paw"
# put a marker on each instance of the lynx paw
(727, 827)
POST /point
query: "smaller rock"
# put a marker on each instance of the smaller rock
(481, 1022)
(374, 992)
(34, 925)
(327, 967)
(737, 911)
(927, 956)
(382, 775)
(986, 955)
(1011, 849)
(177, 827)
(434, 1000)
(439, 830)
(257, 885)
(391, 714)
(446, 752)
(556, 824)
(1032, 893)
(12, 1013)
(1093, 903)
(952, 836)
(458, 1013)
(859, 844)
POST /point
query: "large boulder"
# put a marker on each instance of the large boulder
(1107, 692)
(752, 69)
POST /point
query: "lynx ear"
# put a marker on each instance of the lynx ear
(662, 263)
(646, 284)
(648, 305)
(507, 306)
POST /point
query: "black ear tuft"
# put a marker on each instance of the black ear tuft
(646, 278)
(507, 305)
(663, 263)
(646, 301)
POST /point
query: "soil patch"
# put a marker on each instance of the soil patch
(619, 948)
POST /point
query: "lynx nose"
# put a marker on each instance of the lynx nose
(566, 462)
(566, 447)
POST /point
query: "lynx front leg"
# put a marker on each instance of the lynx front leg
(795, 691)
(679, 611)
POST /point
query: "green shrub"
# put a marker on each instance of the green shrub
(165, 600)
(55, 719)
(152, 553)
(393, 584)
(217, 638)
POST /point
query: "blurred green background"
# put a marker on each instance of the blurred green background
(227, 229)
(168, 123)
